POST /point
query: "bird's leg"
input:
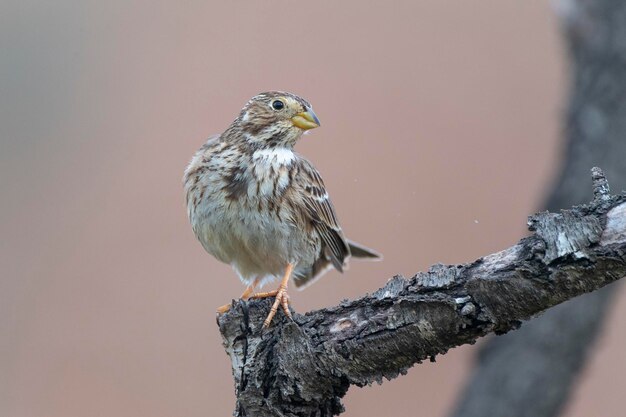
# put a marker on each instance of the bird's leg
(246, 294)
(282, 298)
(250, 289)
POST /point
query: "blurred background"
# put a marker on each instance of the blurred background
(441, 132)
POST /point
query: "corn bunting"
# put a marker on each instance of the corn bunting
(257, 205)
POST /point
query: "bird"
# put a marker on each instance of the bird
(257, 205)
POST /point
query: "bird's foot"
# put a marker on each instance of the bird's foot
(264, 294)
(246, 294)
(223, 309)
(282, 299)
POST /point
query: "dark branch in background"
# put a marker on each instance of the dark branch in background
(530, 373)
(304, 367)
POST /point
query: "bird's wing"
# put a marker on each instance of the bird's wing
(320, 209)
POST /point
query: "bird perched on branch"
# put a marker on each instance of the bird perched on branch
(257, 205)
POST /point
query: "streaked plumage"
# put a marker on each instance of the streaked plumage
(257, 205)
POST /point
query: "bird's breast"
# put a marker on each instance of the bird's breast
(243, 213)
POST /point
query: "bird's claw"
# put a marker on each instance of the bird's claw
(282, 299)
(223, 309)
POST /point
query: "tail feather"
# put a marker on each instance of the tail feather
(360, 251)
(303, 277)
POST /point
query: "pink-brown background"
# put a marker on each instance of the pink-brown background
(440, 134)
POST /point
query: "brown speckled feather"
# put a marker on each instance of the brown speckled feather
(322, 214)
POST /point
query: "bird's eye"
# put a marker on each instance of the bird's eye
(278, 105)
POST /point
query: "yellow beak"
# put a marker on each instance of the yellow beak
(306, 120)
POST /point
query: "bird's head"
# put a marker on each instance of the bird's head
(276, 119)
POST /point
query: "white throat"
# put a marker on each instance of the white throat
(274, 156)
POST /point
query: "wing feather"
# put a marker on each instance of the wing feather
(322, 213)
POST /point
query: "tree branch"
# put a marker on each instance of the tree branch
(531, 373)
(303, 367)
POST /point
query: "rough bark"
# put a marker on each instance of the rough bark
(531, 372)
(303, 367)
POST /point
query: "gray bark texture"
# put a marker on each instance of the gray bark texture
(303, 367)
(531, 372)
